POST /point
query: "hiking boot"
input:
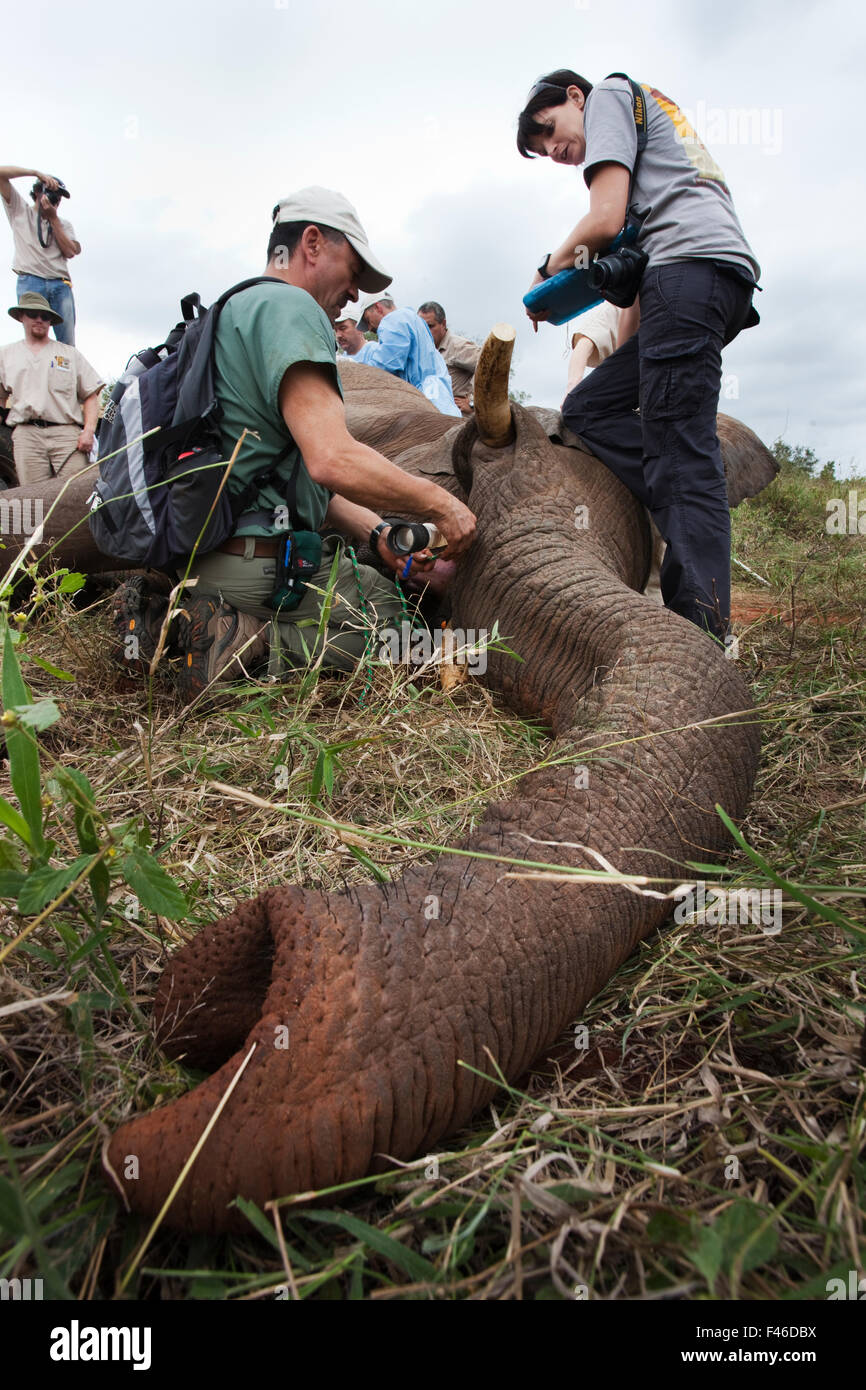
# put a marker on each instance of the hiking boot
(216, 643)
(138, 616)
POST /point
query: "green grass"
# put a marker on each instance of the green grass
(704, 1139)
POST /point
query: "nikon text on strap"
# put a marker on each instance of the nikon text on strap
(639, 111)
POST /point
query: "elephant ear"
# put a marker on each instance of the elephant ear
(749, 465)
(550, 421)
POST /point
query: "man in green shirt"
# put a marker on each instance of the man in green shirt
(276, 375)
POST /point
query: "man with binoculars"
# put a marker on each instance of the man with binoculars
(685, 253)
(44, 242)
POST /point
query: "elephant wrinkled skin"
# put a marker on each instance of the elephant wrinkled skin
(391, 1013)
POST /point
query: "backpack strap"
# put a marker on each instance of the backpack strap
(204, 356)
(190, 307)
(201, 363)
(265, 475)
(241, 502)
(291, 493)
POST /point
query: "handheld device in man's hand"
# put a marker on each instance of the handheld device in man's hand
(407, 537)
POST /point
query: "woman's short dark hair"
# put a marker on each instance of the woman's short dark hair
(550, 90)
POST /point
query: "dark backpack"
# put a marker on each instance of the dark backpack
(152, 498)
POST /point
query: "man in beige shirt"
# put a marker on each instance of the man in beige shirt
(52, 394)
(461, 354)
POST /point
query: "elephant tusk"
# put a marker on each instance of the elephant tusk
(492, 407)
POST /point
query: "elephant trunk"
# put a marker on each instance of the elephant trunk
(380, 1017)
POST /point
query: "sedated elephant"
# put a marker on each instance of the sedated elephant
(382, 1002)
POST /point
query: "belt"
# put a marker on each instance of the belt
(237, 546)
(45, 424)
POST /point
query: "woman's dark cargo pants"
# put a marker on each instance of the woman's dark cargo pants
(668, 456)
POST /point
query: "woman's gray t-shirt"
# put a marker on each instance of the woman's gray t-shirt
(680, 191)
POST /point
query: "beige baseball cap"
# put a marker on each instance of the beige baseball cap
(366, 302)
(331, 209)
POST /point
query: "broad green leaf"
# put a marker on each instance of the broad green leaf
(21, 746)
(670, 1228)
(40, 715)
(80, 794)
(100, 885)
(738, 1228)
(408, 1260)
(708, 1255)
(9, 856)
(328, 774)
(11, 882)
(71, 583)
(318, 775)
(44, 884)
(155, 889)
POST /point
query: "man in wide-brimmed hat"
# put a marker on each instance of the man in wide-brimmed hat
(44, 243)
(52, 394)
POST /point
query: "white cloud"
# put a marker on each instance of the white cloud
(177, 127)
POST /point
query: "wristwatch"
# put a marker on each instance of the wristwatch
(376, 533)
(542, 269)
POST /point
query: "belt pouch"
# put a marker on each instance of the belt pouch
(299, 555)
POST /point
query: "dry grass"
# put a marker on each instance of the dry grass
(705, 1135)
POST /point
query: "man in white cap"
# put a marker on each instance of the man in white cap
(406, 349)
(351, 341)
(53, 396)
(275, 357)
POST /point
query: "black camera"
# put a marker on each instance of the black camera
(52, 194)
(617, 277)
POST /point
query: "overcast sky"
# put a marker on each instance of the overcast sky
(177, 127)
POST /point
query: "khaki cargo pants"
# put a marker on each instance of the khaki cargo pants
(246, 582)
(41, 454)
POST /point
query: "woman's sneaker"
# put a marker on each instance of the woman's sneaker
(216, 643)
(138, 615)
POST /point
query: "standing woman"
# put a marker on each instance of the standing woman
(695, 296)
